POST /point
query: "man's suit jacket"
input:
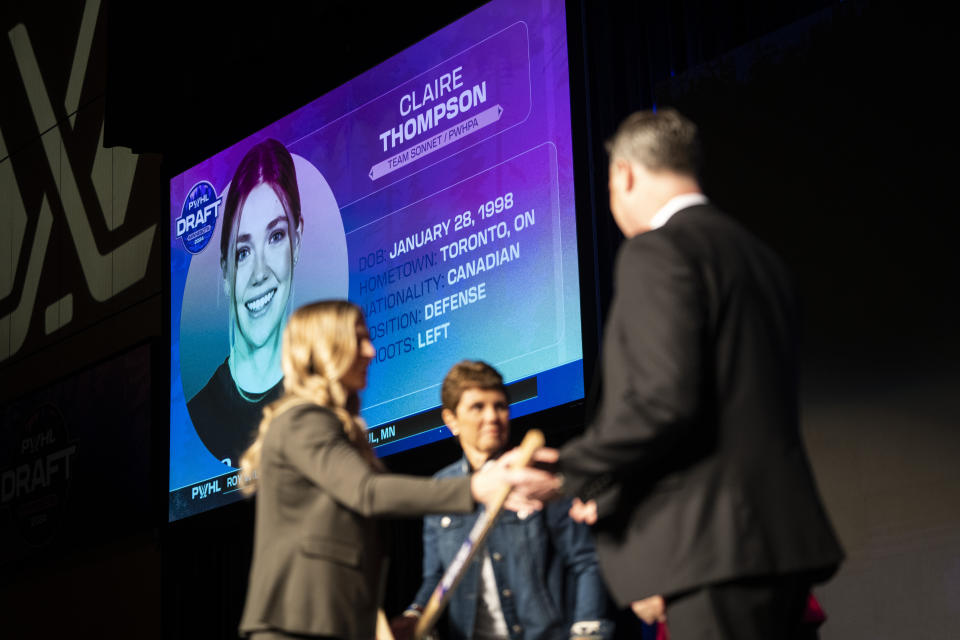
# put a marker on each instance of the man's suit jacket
(317, 553)
(695, 458)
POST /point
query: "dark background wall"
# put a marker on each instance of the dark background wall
(827, 129)
(828, 138)
(80, 340)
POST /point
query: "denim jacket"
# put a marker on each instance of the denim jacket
(545, 568)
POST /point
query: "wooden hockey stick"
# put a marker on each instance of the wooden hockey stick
(474, 542)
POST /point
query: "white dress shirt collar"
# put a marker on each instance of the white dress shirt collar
(674, 204)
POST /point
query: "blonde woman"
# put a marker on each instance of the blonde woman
(317, 557)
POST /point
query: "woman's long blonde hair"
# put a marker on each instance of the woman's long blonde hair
(319, 346)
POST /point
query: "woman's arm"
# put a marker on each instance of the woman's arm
(313, 441)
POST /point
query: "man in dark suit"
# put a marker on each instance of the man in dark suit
(694, 473)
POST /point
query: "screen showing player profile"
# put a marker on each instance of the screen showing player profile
(435, 191)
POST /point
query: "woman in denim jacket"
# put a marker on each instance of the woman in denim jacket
(538, 575)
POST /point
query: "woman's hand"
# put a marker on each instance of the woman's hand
(488, 484)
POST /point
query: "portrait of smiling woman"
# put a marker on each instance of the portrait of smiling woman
(262, 229)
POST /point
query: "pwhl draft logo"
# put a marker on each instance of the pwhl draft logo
(36, 484)
(88, 182)
(198, 217)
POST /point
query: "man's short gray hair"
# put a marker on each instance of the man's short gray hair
(662, 140)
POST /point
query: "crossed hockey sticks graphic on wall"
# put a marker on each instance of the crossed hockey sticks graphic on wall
(104, 280)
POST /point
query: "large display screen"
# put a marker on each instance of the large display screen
(435, 191)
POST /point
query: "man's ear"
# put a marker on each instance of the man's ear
(629, 176)
(450, 419)
(621, 174)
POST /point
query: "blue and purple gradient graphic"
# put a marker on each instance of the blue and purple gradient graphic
(437, 194)
(485, 282)
(198, 218)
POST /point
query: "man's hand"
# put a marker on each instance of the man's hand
(487, 484)
(650, 610)
(583, 512)
(535, 484)
(546, 455)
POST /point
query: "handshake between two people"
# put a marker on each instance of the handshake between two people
(530, 486)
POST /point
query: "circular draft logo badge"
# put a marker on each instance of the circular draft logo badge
(198, 217)
(36, 483)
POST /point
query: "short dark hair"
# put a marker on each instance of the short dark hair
(659, 140)
(468, 374)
